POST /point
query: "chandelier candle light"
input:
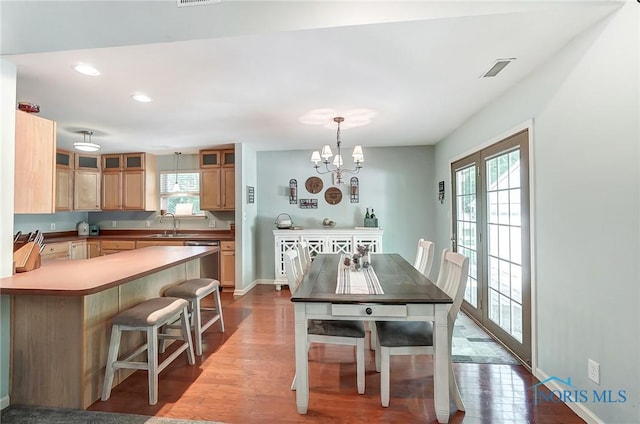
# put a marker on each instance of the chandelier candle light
(337, 169)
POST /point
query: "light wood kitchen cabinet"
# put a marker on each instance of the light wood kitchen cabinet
(86, 190)
(129, 182)
(35, 170)
(216, 158)
(64, 180)
(112, 190)
(228, 264)
(210, 189)
(93, 249)
(79, 250)
(86, 182)
(217, 189)
(217, 179)
(55, 251)
(108, 247)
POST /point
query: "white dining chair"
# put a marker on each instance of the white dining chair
(350, 333)
(416, 337)
(304, 254)
(424, 257)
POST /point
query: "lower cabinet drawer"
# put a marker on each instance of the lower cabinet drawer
(118, 244)
(371, 310)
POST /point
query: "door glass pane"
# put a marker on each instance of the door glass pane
(466, 227)
(504, 242)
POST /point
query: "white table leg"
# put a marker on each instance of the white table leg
(441, 360)
(302, 358)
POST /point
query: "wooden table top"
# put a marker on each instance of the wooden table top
(81, 277)
(400, 281)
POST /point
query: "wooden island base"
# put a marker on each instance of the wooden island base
(60, 337)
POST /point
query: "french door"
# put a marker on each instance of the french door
(491, 227)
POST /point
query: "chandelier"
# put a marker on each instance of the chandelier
(336, 166)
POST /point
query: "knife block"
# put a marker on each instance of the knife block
(27, 258)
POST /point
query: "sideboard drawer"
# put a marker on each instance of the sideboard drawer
(371, 310)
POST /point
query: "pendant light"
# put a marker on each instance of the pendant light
(176, 186)
(86, 146)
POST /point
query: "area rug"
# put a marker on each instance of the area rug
(471, 344)
(16, 414)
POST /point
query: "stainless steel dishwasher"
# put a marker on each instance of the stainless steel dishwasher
(210, 264)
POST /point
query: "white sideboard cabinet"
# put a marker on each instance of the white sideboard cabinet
(322, 241)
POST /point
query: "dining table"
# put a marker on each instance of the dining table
(390, 289)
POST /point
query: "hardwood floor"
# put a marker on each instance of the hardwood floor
(245, 373)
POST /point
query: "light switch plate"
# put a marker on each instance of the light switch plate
(594, 371)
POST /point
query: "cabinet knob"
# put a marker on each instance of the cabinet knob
(368, 311)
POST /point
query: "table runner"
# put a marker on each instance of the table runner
(364, 281)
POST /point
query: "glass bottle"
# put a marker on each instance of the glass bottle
(373, 215)
(367, 216)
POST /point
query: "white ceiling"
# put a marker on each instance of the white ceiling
(243, 71)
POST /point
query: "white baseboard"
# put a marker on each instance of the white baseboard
(242, 292)
(278, 284)
(4, 402)
(579, 408)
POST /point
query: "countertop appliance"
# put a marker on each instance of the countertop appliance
(94, 230)
(83, 228)
(210, 264)
(283, 221)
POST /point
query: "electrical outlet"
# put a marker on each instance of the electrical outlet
(212, 223)
(594, 371)
(147, 224)
(113, 224)
(53, 226)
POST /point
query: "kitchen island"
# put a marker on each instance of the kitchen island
(61, 318)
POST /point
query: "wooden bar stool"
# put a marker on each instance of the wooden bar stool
(194, 291)
(148, 316)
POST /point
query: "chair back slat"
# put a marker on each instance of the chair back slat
(293, 269)
(424, 257)
(304, 255)
(452, 278)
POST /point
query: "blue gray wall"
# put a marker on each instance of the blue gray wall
(586, 194)
(397, 182)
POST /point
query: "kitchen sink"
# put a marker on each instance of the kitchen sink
(179, 235)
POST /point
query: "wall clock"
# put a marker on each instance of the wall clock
(333, 195)
(313, 185)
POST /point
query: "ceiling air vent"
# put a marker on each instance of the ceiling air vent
(497, 67)
(185, 3)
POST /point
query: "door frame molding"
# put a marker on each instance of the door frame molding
(526, 125)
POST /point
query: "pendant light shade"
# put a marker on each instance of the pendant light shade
(86, 146)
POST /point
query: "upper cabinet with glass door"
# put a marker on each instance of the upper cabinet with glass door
(217, 178)
(219, 157)
(123, 162)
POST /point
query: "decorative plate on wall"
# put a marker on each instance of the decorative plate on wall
(313, 185)
(333, 195)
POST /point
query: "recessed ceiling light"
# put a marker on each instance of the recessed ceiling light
(85, 69)
(140, 97)
(497, 67)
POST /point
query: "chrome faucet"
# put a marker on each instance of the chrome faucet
(173, 217)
